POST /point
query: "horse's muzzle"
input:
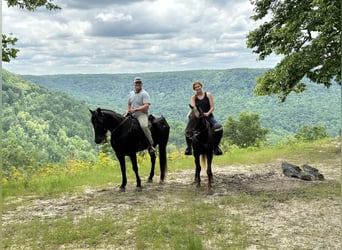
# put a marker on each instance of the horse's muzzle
(100, 140)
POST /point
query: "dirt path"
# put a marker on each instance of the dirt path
(292, 224)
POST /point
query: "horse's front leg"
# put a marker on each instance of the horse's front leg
(198, 170)
(135, 169)
(122, 162)
(209, 171)
(153, 164)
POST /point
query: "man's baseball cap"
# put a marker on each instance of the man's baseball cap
(137, 80)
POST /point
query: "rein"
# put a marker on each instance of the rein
(120, 124)
(200, 131)
(109, 112)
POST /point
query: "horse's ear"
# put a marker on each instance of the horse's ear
(99, 111)
(191, 106)
(91, 111)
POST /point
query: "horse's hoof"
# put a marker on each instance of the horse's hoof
(161, 182)
(122, 189)
(210, 191)
(149, 180)
(139, 189)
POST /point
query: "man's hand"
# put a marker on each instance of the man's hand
(131, 111)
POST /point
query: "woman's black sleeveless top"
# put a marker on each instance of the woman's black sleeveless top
(204, 103)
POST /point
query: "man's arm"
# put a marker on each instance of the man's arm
(143, 108)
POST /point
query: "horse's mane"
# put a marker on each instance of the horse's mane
(193, 120)
(113, 113)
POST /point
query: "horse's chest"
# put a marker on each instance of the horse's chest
(202, 141)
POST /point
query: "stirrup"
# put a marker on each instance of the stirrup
(151, 150)
(188, 151)
(217, 151)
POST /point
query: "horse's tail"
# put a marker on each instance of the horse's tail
(162, 161)
(204, 162)
(161, 130)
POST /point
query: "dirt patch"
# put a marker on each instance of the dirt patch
(292, 224)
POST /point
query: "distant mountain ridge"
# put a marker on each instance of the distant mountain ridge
(232, 90)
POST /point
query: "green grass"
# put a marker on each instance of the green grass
(50, 234)
(193, 225)
(315, 151)
(55, 184)
(190, 222)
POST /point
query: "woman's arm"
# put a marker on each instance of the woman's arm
(211, 102)
(193, 99)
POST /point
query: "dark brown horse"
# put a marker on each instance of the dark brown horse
(127, 139)
(203, 142)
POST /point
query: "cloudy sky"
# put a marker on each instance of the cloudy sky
(132, 36)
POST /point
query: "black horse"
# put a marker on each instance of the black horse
(127, 138)
(203, 141)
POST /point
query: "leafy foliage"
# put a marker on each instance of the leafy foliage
(32, 5)
(39, 126)
(307, 33)
(8, 51)
(306, 133)
(246, 131)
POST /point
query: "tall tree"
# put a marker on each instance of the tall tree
(8, 51)
(246, 131)
(307, 33)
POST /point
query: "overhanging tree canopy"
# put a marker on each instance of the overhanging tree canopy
(8, 51)
(307, 33)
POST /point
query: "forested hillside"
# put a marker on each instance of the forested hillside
(39, 126)
(232, 90)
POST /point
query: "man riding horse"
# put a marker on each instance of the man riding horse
(138, 105)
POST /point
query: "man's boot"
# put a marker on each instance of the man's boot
(188, 150)
(217, 150)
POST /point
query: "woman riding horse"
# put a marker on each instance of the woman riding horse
(204, 100)
(203, 142)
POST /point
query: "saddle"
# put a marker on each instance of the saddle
(129, 130)
(157, 122)
(135, 132)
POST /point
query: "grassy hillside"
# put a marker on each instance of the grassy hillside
(232, 90)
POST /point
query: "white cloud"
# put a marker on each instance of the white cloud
(132, 36)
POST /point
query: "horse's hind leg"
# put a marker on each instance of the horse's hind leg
(162, 162)
(135, 169)
(153, 164)
(197, 171)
